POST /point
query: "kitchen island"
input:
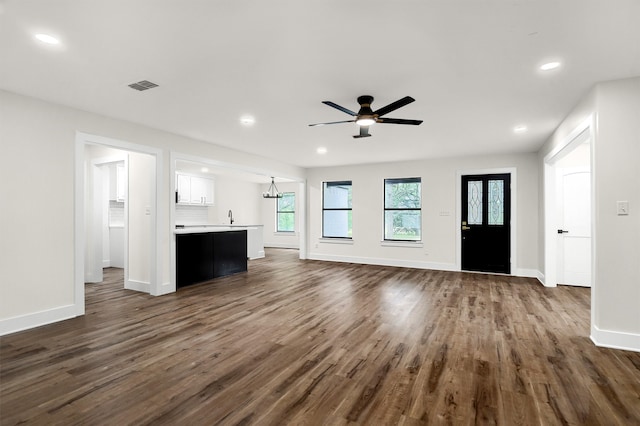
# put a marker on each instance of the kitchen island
(204, 253)
(255, 238)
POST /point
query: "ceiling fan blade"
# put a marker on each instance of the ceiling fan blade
(333, 122)
(399, 121)
(341, 108)
(364, 132)
(394, 106)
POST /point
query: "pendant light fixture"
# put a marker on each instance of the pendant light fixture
(273, 191)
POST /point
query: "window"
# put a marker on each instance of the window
(336, 209)
(402, 209)
(286, 212)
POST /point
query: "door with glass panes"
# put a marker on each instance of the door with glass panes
(486, 219)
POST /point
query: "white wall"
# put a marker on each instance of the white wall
(617, 173)
(615, 107)
(439, 203)
(37, 250)
(280, 239)
(242, 198)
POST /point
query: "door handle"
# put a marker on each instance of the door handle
(561, 231)
(465, 228)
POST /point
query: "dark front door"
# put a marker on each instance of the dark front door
(486, 219)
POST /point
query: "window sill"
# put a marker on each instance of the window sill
(410, 244)
(336, 240)
(285, 233)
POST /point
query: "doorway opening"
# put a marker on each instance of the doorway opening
(569, 211)
(106, 211)
(120, 215)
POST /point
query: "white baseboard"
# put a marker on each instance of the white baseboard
(527, 273)
(24, 322)
(106, 263)
(540, 277)
(520, 272)
(615, 339)
(282, 245)
(166, 288)
(259, 256)
(384, 262)
(136, 285)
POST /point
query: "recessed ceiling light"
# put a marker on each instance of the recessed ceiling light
(520, 129)
(321, 150)
(46, 38)
(204, 170)
(247, 120)
(549, 66)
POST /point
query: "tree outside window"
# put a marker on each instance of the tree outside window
(286, 212)
(402, 209)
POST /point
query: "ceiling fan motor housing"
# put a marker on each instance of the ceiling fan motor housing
(365, 102)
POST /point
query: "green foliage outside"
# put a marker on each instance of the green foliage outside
(406, 224)
(286, 212)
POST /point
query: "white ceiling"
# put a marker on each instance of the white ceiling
(206, 169)
(471, 65)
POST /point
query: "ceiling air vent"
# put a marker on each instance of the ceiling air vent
(143, 85)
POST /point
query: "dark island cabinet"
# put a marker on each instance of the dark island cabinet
(204, 256)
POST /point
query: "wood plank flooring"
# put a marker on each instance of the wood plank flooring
(307, 342)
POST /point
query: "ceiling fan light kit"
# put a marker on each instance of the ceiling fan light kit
(366, 117)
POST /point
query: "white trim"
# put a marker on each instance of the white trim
(25, 322)
(302, 219)
(415, 264)
(384, 262)
(337, 240)
(285, 233)
(409, 244)
(282, 245)
(166, 289)
(580, 128)
(541, 278)
(528, 273)
(137, 285)
(615, 339)
(513, 171)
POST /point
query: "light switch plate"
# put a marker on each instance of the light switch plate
(623, 208)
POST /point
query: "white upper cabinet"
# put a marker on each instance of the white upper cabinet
(184, 189)
(194, 190)
(117, 181)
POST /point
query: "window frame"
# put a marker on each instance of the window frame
(386, 209)
(347, 209)
(278, 211)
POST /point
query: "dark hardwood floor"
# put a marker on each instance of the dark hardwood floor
(307, 342)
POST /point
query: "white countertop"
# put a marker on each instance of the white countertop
(197, 229)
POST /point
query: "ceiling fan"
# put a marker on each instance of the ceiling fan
(366, 116)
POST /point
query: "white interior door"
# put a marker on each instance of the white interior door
(574, 232)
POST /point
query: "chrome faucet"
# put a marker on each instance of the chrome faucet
(230, 216)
